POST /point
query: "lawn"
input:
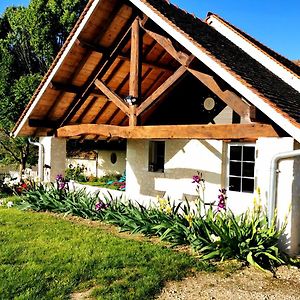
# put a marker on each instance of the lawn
(45, 257)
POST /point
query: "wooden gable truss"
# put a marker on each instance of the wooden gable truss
(121, 75)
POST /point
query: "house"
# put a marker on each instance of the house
(187, 95)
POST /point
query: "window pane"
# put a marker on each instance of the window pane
(235, 153)
(235, 184)
(248, 153)
(156, 156)
(248, 169)
(247, 185)
(235, 168)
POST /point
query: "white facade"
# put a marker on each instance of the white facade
(102, 164)
(184, 158)
(54, 158)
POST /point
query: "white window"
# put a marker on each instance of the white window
(156, 156)
(241, 167)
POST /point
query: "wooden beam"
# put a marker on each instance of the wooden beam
(83, 61)
(135, 60)
(120, 41)
(69, 88)
(42, 123)
(167, 44)
(216, 132)
(135, 70)
(111, 95)
(92, 46)
(241, 107)
(165, 87)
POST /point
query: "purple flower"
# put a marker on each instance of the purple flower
(101, 206)
(59, 178)
(61, 185)
(222, 200)
(196, 179)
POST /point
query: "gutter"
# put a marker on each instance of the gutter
(41, 159)
(273, 180)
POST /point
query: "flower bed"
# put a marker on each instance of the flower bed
(213, 231)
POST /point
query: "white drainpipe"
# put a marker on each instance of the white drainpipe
(41, 159)
(273, 180)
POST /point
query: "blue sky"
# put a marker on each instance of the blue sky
(275, 23)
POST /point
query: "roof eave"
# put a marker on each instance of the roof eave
(70, 42)
(280, 118)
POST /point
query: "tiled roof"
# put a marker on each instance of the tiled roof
(249, 70)
(294, 67)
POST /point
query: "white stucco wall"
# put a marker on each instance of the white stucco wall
(54, 156)
(183, 158)
(103, 165)
(288, 186)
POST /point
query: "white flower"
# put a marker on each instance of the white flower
(10, 204)
(215, 238)
(6, 180)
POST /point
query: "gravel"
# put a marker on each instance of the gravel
(247, 284)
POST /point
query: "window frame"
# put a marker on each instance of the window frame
(241, 161)
(156, 160)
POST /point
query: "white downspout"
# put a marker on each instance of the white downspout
(273, 180)
(41, 159)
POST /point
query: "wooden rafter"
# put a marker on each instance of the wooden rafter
(167, 44)
(241, 107)
(41, 123)
(166, 86)
(111, 95)
(101, 111)
(218, 132)
(123, 56)
(84, 59)
(99, 71)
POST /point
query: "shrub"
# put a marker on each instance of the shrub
(76, 173)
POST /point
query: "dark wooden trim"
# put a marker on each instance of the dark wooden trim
(42, 123)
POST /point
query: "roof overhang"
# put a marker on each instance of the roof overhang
(282, 119)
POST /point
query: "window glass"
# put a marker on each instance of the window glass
(248, 153)
(241, 168)
(113, 158)
(235, 153)
(235, 184)
(247, 185)
(156, 156)
(248, 169)
(235, 168)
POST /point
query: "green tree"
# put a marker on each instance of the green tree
(29, 40)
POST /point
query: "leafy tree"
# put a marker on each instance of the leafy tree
(29, 40)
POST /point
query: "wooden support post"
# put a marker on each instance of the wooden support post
(135, 69)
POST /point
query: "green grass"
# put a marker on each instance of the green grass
(45, 257)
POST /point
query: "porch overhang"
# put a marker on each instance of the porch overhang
(217, 132)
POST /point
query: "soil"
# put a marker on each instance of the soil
(247, 283)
